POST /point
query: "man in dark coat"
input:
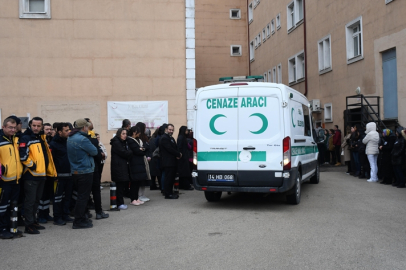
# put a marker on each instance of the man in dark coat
(398, 153)
(185, 175)
(386, 147)
(169, 153)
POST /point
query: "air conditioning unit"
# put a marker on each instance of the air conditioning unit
(315, 105)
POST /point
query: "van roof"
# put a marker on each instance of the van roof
(253, 84)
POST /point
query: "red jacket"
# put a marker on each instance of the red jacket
(337, 138)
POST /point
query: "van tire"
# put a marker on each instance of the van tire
(315, 179)
(294, 197)
(212, 196)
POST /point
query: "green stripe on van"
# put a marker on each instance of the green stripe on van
(229, 156)
(304, 150)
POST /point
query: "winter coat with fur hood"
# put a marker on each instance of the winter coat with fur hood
(371, 139)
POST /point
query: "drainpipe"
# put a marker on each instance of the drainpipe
(305, 39)
(249, 45)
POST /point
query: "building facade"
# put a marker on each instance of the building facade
(65, 59)
(327, 49)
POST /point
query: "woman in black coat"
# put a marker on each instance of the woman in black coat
(153, 164)
(398, 153)
(388, 139)
(185, 175)
(138, 172)
(120, 156)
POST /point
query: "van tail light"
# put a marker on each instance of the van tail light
(286, 154)
(194, 154)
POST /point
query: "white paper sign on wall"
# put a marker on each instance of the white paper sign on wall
(152, 113)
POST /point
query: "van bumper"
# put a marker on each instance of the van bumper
(287, 184)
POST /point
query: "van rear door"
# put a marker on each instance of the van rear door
(217, 136)
(260, 134)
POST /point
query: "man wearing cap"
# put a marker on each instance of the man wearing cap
(38, 164)
(80, 154)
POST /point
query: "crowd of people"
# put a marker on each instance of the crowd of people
(62, 164)
(367, 153)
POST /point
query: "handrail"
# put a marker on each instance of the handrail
(377, 116)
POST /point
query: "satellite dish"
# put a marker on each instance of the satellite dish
(358, 90)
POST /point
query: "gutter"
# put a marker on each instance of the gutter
(305, 49)
(249, 50)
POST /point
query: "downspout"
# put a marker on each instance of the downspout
(249, 43)
(305, 39)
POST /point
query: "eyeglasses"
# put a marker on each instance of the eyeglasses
(11, 128)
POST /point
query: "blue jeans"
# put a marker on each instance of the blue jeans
(355, 155)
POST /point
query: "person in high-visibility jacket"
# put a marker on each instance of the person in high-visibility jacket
(38, 162)
(11, 169)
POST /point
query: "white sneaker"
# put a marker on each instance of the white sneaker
(143, 198)
(101, 187)
(123, 207)
(372, 181)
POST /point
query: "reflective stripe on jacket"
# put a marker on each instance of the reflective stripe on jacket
(10, 158)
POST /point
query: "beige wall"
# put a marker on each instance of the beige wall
(91, 52)
(215, 32)
(383, 28)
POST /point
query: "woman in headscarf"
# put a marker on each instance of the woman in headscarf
(120, 172)
(398, 153)
(387, 142)
(185, 175)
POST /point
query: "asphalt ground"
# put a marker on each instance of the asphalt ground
(341, 223)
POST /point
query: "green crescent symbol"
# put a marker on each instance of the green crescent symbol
(264, 123)
(293, 123)
(212, 128)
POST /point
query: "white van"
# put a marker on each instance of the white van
(253, 137)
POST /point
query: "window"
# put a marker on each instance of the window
(324, 47)
(250, 13)
(259, 39)
(256, 42)
(269, 75)
(235, 50)
(278, 21)
(328, 112)
(256, 3)
(388, 1)
(307, 123)
(273, 26)
(35, 9)
(252, 51)
(296, 68)
(264, 35)
(280, 73)
(274, 74)
(354, 36)
(265, 78)
(235, 14)
(294, 14)
(268, 30)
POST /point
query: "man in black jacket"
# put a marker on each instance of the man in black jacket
(64, 183)
(169, 153)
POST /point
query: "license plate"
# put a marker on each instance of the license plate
(220, 177)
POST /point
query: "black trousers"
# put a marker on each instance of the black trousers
(400, 179)
(83, 183)
(322, 152)
(170, 173)
(33, 192)
(63, 195)
(134, 188)
(338, 153)
(120, 192)
(9, 194)
(47, 196)
(96, 192)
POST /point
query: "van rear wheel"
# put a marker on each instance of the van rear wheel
(212, 196)
(294, 197)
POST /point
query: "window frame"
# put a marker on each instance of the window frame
(270, 75)
(259, 39)
(328, 108)
(273, 26)
(291, 15)
(349, 31)
(265, 77)
(264, 35)
(274, 74)
(323, 68)
(252, 51)
(295, 12)
(278, 22)
(268, 30)
(279, 70)
(238, 12)
(250, 12)
(26, 14)
(296, 68)
(232, 51)
(388, 1)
